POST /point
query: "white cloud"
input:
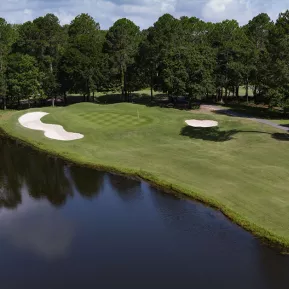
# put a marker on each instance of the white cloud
(143, 12)
(36, 227)
(218, 10)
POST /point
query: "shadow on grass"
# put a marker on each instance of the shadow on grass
(139, 98)
(210, 134)
(251, 112)
(231, 112)
(109, 98)
(281, 136)
(158, 100)
(217, 135)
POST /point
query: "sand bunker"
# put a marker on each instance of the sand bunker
(201, 123)
(32, 120)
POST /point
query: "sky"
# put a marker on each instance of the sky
(143, 12)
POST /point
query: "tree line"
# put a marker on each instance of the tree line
(42, 59)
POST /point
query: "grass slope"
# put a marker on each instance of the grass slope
(241, 168)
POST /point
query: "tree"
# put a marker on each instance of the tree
(146, 62)
(23, 77)
(258, 31)
(185, 56)
(161, 41)
(51, 40)
(121, 44)
(7, 37)
(43, 39)
(81, 61)
(223, 37)
(277, 79)
(200, 58)
(177, 56)
(241, 57)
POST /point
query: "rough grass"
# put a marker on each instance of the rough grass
(240, 167)
(281, 121)
(5, 115)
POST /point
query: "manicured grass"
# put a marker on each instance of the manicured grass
(240, 168)
(281, 121)
(242, 91)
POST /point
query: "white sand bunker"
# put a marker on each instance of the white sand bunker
(201, 123)
(32, 120)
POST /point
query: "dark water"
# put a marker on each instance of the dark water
(69, 227)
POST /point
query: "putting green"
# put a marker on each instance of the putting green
(240, 167)
(113, 119)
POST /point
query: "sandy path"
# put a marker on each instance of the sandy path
(33, 121)
(229, 112)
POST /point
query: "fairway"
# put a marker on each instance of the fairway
(240, 167)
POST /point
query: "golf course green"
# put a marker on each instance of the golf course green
(241, 167)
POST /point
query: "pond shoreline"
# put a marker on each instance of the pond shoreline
(281, 245)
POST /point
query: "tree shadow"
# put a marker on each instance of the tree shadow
(281, 136)
(285, 125)
(246, 111)
(233, 113)
(217, 135)
(138, 98)
(210, 134)
(109, 98)
(158, 100)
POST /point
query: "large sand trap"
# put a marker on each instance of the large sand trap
(32, 120)
(201, 123)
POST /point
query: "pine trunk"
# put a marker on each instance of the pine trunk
(237, 93)
(122, 83)
(65, 98)
(152, 87)
(247, 91)
(255, 93)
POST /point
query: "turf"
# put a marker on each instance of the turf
(240, 167)
(281, 121)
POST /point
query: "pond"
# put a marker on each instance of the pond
(64, 226)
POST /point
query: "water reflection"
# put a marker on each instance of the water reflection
(10, 179)
(273, 268)
(87, 181)
(28, 179)
(45, 177)
(126, 188)
(37, 228)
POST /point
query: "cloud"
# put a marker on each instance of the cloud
(217, 10)
(143, 12)
(36, 227)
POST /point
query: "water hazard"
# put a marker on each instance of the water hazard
(63, 226)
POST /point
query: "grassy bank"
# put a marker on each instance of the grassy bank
(240, 168)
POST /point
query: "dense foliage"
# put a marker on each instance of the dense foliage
(187, 56)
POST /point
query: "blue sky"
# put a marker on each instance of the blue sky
(143, 12)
